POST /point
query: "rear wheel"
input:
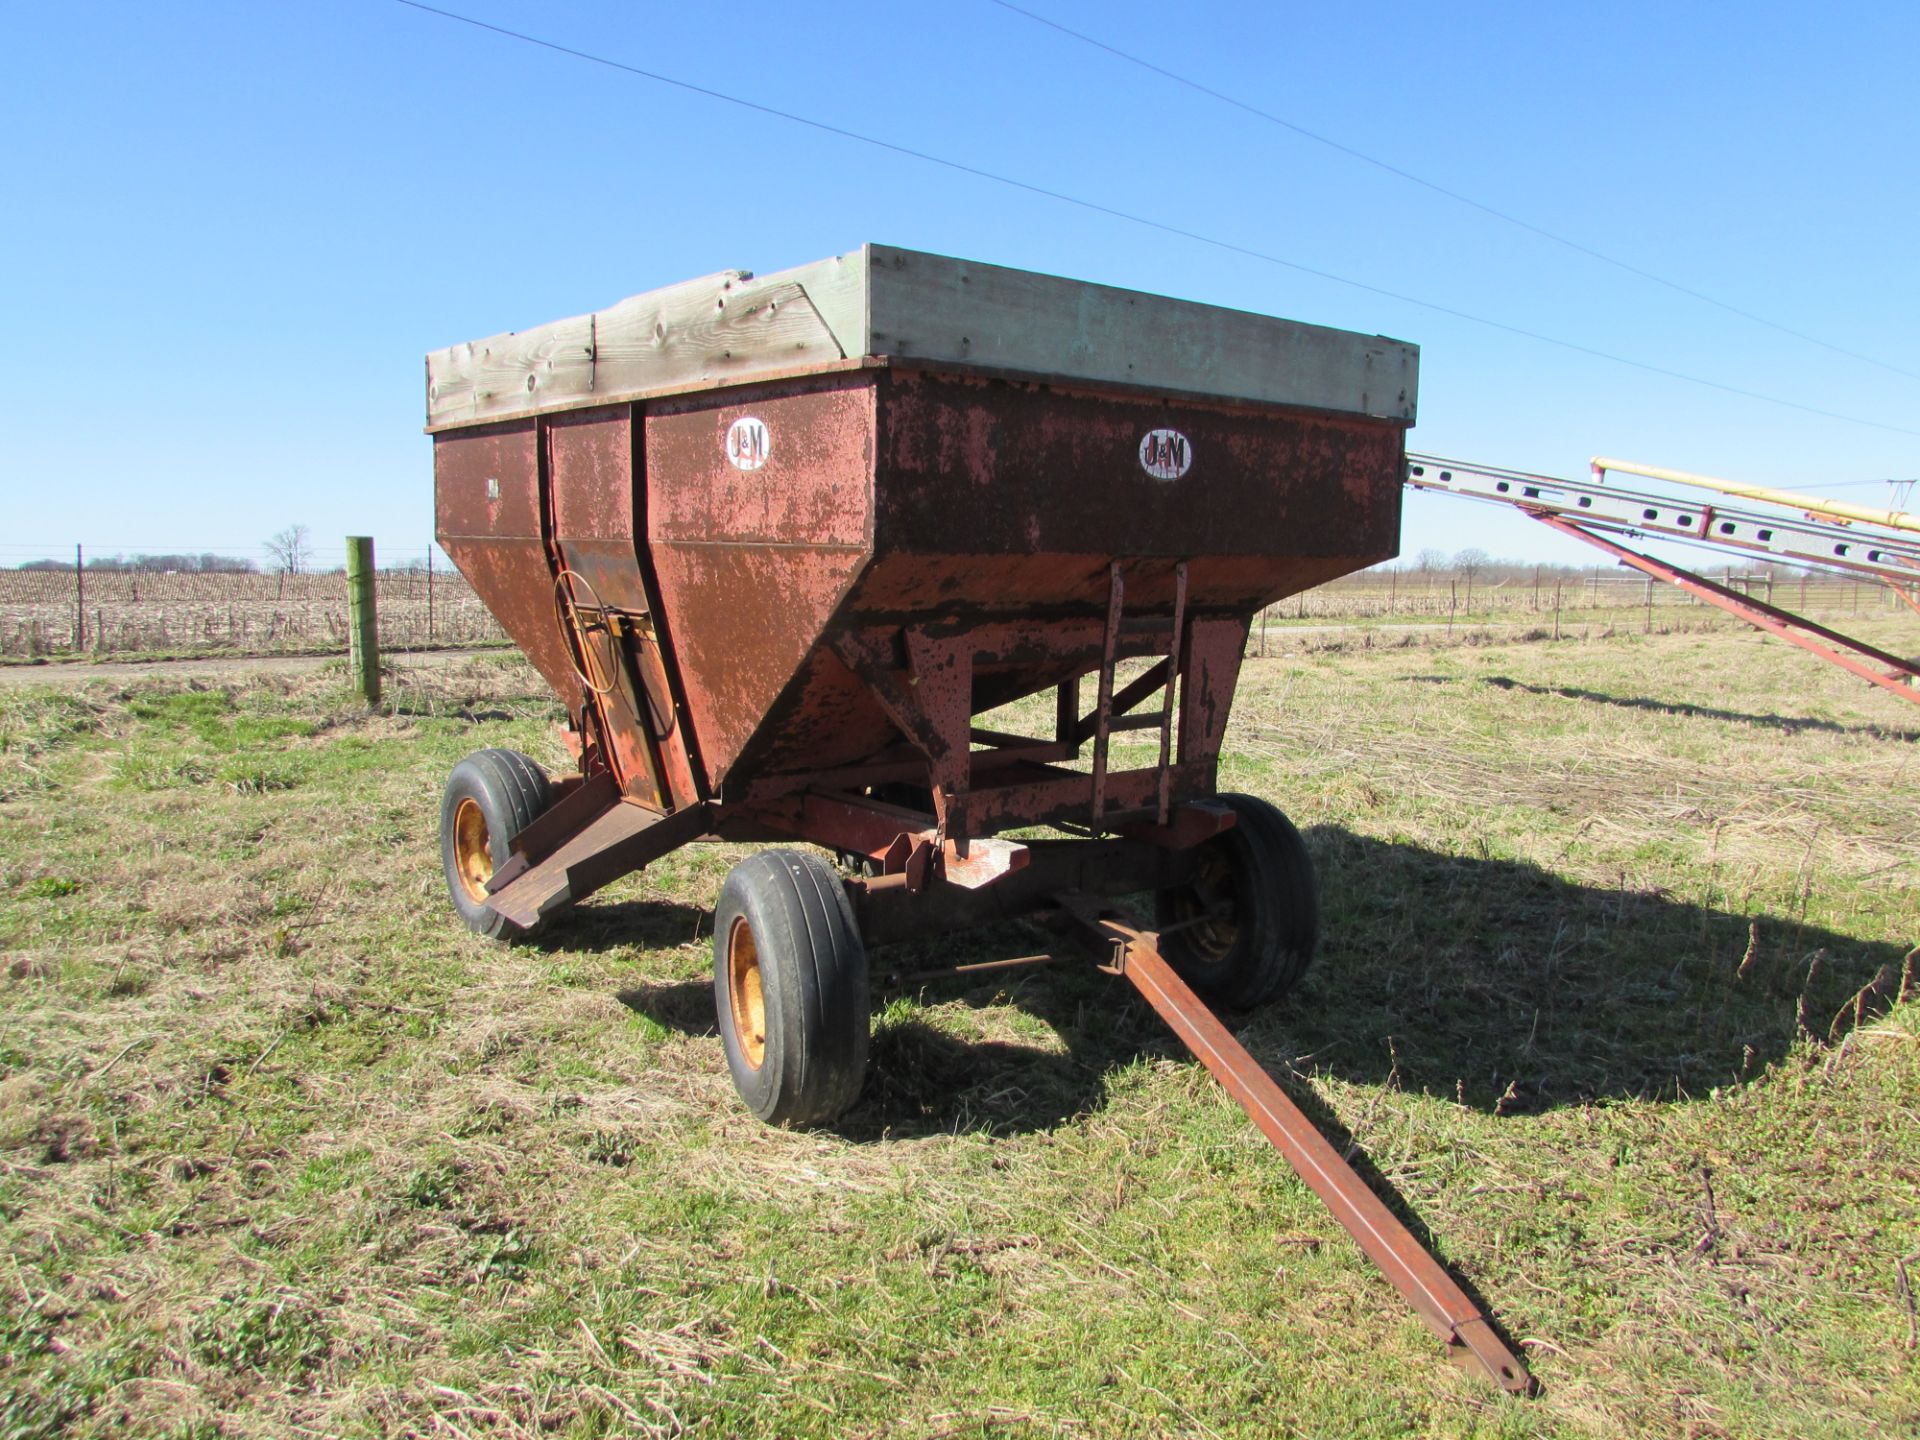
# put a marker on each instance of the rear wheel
(1242, 930)
(790, 985)
(491, 796)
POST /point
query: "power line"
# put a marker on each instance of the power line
(1096, 207)
(1848, 484)
(1438, 189)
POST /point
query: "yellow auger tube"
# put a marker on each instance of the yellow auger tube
(1826, 509)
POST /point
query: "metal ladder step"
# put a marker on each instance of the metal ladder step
(1119, 624)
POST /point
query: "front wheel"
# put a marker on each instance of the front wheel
(491, 796)
(790, 985)
(1242, 930)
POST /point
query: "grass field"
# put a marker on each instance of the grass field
(1615, 1000)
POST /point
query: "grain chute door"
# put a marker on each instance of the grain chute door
(601, 592)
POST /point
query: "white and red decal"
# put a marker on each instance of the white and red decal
(749, 443)
(1165, 454)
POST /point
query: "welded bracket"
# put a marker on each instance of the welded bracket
(931, 702)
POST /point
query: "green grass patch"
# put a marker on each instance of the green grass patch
(1614, 1001)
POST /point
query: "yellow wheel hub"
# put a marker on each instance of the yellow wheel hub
(472, 854)
(745, 994)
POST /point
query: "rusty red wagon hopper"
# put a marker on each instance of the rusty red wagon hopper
(780, 544)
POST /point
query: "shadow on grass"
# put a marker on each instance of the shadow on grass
(682, 1006)
(921, 1079)
(1514, 990)
(595, 927)
(1791, 724)
(1492, 982)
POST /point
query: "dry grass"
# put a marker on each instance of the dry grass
(1616, 1001)
(175, 614)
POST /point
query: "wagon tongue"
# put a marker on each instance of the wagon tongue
(1471, 1340)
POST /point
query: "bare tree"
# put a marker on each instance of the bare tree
(291, 549)
(1470, 562)
(1429, 560)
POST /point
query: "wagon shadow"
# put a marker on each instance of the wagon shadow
(1514, 990)
(682, 1006)
(1492, 982)
(922, 1079)
(1790, 724)
(595, 927)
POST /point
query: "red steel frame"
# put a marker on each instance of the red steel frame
(1896, 677)
(932, 877)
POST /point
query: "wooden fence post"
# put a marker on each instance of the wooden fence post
(362, 628)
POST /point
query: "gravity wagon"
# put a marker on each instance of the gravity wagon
(779, 542)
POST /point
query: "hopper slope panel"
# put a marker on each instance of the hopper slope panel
(487, 519)
(590, 470)
(759, 516)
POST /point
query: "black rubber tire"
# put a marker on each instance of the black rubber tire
(1262, 870)
(509, 791)
(811, 969)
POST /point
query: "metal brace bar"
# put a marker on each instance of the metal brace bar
(1173, 679)
(1103, 710)
(1124, 700)
(1434, 1294)
(1784, 623)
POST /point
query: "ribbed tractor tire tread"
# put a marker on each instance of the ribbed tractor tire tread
(1291, 869)
(1279, 911)
(525, 777)
(512, 791)
(814, 978)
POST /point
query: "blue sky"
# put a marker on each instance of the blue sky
(232, 231)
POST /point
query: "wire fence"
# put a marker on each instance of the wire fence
(1518, 592)
(53, 612)
(61, 612)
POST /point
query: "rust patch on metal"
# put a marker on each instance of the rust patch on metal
(755, 541)
(973, 528)
(1002, 467)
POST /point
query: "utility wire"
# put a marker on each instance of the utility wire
(1848, 484)
(1438, 189)
(1097, 208)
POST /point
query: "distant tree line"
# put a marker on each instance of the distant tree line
(204, 564)
(1475, 564)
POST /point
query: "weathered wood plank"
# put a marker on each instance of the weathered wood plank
(837, 286)
(883, 301)
(718, 327)
(511, 374)
(933, 307)
(737, 329)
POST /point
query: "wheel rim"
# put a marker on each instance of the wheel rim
(1210, 894)
(746, 996)
(472, 853)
